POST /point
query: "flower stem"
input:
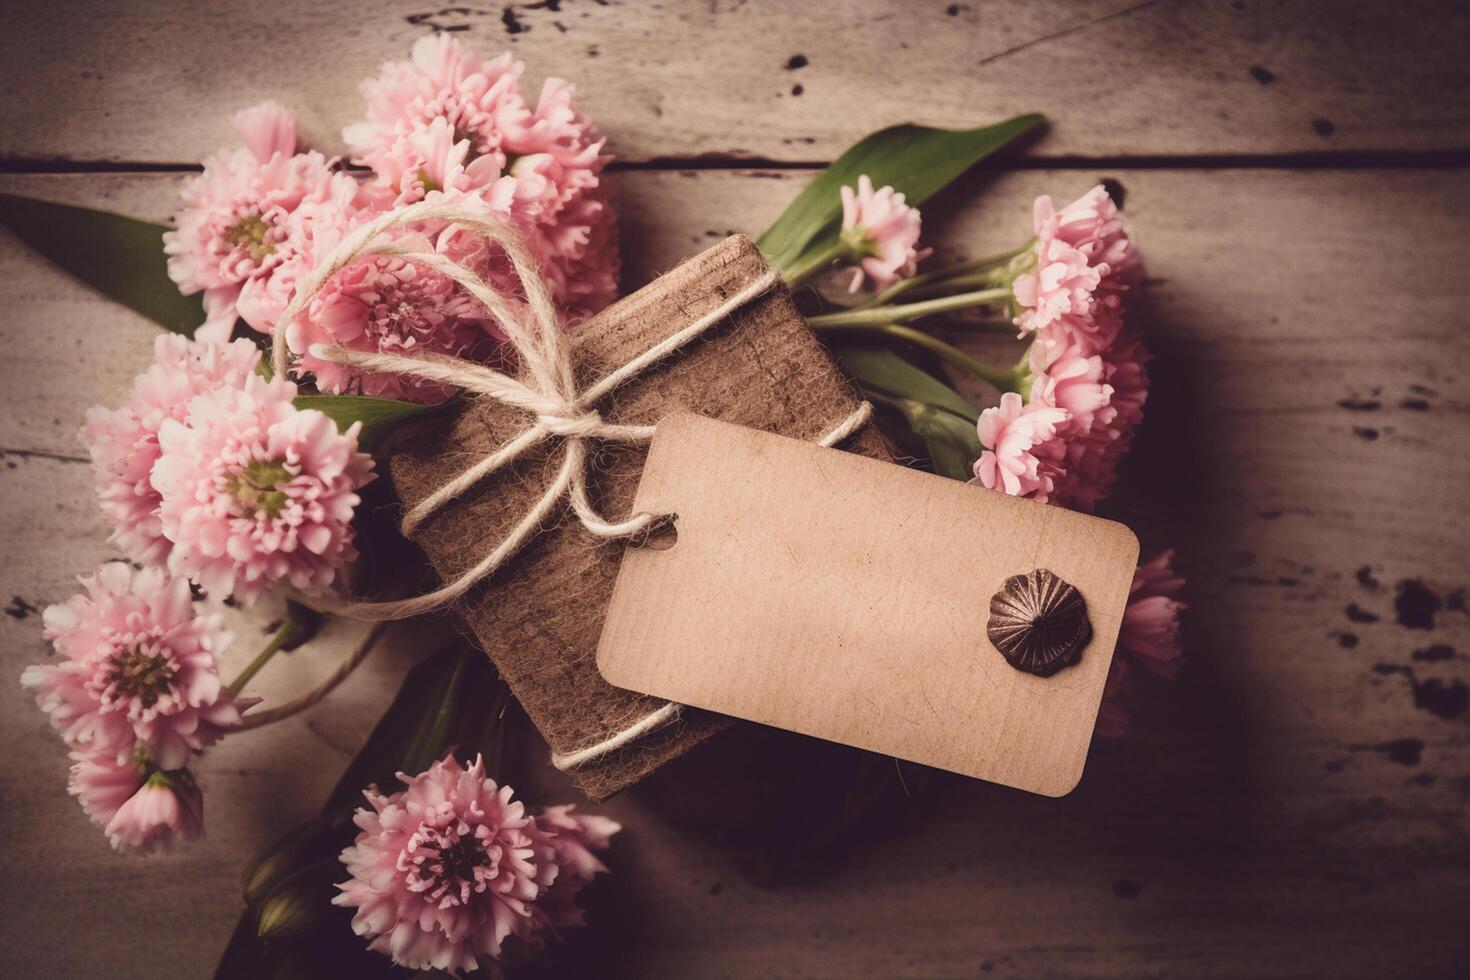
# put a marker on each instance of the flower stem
(814, 263)
(942, 276)
(908, 311)
(1001, 379)
(288, 631)
(260, 719)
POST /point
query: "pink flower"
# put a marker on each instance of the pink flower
(395, 305)
(1084, 266)
(233, 225)
(1077, 383)
(1112, 714)
(102, 785)
(881, 232)
(169, 806)
(445, 870)
(123, 442)
(255, 490)
(1150, 631)
(573, 838)
(446, 121)
(1023, 454)
(137, 667)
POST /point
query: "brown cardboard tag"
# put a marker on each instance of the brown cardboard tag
(848, 599)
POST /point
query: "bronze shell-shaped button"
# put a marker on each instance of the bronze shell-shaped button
(1038, 622)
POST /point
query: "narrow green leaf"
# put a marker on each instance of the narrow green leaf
(884, 371)
(915, 160)
(377, 415)
(120, 257)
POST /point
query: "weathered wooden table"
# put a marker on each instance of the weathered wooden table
(1297, 176)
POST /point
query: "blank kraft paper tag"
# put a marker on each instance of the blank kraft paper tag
(848, 599)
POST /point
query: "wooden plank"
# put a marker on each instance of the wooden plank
(766, 79)
(1300, 789)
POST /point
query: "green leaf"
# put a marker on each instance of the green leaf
(120, 257)
(882, 370)
(915, 160)
(377, 415)
(953, 443)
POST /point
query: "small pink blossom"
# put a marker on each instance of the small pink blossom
(255, 490)
(168, 807)
(123, 442)
(102, 785)
(881, 232)
(573, 839)
(1150, 631)
(1023, 455)
(1084, 267)
(233, 226)
(137, 667)
(445, 870)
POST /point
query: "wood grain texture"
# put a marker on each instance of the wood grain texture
(141, 81)
(1297, 805)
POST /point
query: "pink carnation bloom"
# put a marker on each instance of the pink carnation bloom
(123, 442)
(233, 226)
(137, 668)
(1024, 456)
(1084, 266)
(168, 807)
(1150, 630)
(445, 870)
(102, 785)
(445, 120)
(255, 490)
(573, 838)
(881, 232)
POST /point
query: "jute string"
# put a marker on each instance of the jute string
(548, 392)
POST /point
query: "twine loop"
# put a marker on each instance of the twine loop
(547, 391)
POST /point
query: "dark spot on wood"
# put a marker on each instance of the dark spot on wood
(1448, 700)
(1269, 515)
(1348, 641)
(1440, 651)
(1125, 888)
(1359, 404)
(592, 51)
(1424, 779)
(1416, 605)
(1323, 127)
(1414, 404)
(1404, 751)
(1421, 390)
(797, 90)
(796, 61)
(560, 27)
(1115, 190)
(1263, 75)
(19, 608)
(716, 888)
(1391, 669)
(1358, 614)
(953, 10)
(1455, 601)
(1365, 578)
(1336, 765)
(1365, 433)
(512, 23)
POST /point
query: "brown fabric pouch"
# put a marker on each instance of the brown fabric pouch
(539, 618)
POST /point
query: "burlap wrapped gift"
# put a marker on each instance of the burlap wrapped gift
(539, 618)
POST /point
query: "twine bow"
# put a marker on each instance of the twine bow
(548, 392)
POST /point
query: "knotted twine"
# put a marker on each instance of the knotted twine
(548, 392)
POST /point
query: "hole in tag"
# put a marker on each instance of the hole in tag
(661, 535)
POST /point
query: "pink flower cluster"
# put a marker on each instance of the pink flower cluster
(212, 469)
(1149, 638)
(1087, 382)
(881, 234)
(135, 693)
(442, 126)
(449, 869)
